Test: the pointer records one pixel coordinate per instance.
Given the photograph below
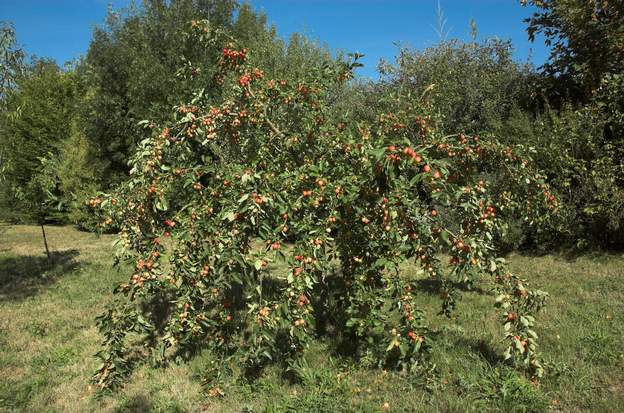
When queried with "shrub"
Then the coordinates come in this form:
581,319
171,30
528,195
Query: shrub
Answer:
477,86
213,198
580,152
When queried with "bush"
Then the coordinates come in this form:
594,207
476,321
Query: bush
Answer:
213,198
580,151
477,86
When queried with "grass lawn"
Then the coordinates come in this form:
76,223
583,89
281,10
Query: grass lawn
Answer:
48,338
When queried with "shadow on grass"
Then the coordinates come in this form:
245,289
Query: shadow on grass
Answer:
433,286
23,276
137,403
329,329
570,253
485,349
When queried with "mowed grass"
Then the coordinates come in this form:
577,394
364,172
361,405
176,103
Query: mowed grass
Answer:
48,338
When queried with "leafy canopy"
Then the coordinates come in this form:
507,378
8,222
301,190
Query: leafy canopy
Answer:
260,172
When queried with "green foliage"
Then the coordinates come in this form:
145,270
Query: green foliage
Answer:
38,116
286,60
268,161
586,40
141,64
580,140
476,86
11,67
11,60
37,199
581,153
131,68
79,177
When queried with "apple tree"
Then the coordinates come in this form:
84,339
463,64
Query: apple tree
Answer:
260,213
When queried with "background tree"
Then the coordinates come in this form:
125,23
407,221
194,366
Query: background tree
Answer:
11,59
131,68
37,199
38,117
586,40
476,86
78,175
581,132
11,68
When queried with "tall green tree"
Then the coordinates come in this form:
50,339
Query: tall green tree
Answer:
476,86
11,59
291,59
37,119
581,135
11,68
586,40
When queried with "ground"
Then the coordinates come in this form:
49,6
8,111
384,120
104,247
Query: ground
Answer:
48,338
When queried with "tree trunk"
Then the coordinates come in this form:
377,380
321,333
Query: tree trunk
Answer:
45,242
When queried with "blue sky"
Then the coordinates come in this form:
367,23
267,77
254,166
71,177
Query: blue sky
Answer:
61,29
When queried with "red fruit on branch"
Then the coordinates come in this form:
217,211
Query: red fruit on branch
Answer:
169,223
303,300
244,80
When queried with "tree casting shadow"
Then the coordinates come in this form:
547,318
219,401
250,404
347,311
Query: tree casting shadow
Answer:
24,276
